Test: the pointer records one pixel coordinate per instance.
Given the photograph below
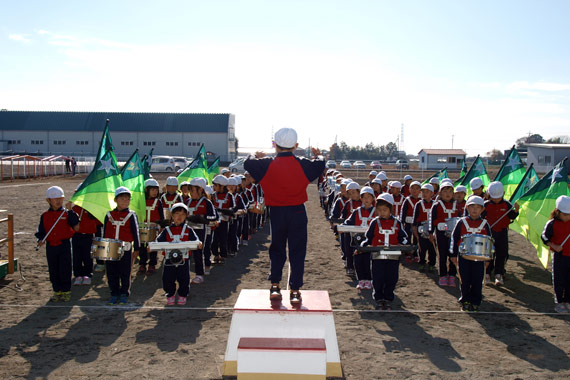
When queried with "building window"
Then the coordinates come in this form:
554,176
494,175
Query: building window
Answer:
172,143
149,143
423,159
451,160
14,142
544,160
194,143
441,159
126,143
37,142
58,142
82,142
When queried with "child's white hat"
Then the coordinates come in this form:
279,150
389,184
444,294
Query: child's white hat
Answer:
416,183
396,184
373,172
179,205
286,138
366,190
209,190
122,190
172,181
184,183
390,183
377,180
475,200
476,183
434,180
446,183
427,186
224,171
220,180
461,189
407,177
233,181
201,182
353,186
563,204
386,198
382,176
151,182
346,181
54,192
496,189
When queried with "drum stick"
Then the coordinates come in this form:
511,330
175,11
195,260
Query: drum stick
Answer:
502,216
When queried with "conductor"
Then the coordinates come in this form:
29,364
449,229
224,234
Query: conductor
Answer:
284,180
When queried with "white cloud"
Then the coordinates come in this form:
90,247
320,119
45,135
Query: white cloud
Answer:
538,86
19,37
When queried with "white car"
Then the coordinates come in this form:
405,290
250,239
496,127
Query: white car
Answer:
180,162
345,164
163,164
359,165
237,165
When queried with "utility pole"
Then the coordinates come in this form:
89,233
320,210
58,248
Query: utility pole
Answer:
452,137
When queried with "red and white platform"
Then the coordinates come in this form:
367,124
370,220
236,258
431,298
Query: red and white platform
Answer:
266,336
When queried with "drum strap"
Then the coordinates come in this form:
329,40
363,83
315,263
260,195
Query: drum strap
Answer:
192,209
387,233
150,208
363,220
472,230
220,202
176,238
167,202
448,211
422,203
119,224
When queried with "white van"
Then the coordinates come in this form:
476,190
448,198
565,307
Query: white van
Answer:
163,164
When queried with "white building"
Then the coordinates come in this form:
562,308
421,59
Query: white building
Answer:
79,133
441,158
545,156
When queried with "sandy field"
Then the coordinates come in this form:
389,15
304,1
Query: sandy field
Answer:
515,336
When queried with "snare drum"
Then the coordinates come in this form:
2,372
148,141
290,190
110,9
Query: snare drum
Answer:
450,225
477,247
148,232
386,255
107,249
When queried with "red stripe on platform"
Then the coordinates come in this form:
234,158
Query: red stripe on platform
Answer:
293,344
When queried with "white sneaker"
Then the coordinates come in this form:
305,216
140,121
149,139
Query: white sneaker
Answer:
361,284
368,284
198,279
488,279
86,280
78,280
206,271
244,243
499,280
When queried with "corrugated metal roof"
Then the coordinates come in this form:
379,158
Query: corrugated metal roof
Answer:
119,121
444,151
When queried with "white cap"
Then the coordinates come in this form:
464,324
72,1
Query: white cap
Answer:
151,182
122,190
241,177
563,204
434,180
286,138
496,189
461,189
233,181
346,181
172,181
407,177
209,190
414,183
427,186
476,183
54,192
475,200
396,184
373,172
201,182
446,183
382,176
224,170
366,190
179,205
353,186
184,183
390,183
377,180
386,198
220,180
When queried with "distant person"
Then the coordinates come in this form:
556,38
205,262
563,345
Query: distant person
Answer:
67,165
556,235
73,166
284,180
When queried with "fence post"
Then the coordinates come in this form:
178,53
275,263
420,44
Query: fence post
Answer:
10,243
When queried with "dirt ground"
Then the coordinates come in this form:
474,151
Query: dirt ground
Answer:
516,336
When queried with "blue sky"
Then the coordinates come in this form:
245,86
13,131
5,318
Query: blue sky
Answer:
486,72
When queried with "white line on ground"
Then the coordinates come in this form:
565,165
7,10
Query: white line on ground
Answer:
226,308
24,184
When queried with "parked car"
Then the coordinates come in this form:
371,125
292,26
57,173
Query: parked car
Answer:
180,162
402,164
345,164
331,164
163,164
237,165
359,165
375,165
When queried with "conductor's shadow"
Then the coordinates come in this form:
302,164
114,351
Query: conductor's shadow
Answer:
518,336
172,328
411,337
531,296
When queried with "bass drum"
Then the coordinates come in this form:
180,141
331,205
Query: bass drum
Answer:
107,249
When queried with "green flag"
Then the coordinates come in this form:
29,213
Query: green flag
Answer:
214,169
477,169
97,193
106,144
463,169
146,162
529,179
197,168
439,175
133,179
511,172
537,204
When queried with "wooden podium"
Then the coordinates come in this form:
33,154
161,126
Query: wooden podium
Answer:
278,341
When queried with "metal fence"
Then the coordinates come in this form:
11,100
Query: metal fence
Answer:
23,166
